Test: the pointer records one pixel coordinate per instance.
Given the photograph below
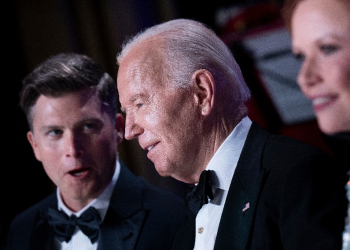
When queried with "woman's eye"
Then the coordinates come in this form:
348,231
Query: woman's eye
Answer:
328,49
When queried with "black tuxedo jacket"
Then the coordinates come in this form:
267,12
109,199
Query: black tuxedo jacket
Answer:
296,197
140,217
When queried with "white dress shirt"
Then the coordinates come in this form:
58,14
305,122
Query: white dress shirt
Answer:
79,240
223,163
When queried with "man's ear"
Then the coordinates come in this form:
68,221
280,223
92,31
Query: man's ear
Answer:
204,85
31,139
119,127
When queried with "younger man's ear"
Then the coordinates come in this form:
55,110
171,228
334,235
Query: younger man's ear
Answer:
119,126
31,139
204,85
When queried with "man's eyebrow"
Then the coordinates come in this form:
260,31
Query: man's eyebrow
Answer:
49,128
133,99
136,96
88,120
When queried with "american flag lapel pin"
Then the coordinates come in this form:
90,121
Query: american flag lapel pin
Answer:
246,207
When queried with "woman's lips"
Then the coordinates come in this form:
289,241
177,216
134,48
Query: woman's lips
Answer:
321,102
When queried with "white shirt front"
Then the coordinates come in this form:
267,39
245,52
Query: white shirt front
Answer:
223,163
79,240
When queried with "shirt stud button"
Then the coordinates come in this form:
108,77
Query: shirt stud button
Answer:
200,230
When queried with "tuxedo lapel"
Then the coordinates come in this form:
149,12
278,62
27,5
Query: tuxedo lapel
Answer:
185,237
119,233
125,216
238,216
42,235
241,202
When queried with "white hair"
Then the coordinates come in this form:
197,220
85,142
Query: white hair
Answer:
188,46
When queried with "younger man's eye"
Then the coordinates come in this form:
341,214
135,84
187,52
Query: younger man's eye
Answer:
55,132
89,126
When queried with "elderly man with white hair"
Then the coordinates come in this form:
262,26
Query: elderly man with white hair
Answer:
184,97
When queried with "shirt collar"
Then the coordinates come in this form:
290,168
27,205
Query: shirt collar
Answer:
225,159
101,203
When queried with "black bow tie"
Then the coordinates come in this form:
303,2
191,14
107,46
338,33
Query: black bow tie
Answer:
197,196
64,226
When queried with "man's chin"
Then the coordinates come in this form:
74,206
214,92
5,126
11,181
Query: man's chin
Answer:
162,171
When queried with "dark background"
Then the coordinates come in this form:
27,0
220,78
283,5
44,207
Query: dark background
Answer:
34,30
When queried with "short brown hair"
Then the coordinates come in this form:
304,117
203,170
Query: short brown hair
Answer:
63,74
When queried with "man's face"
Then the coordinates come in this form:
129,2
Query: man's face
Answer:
76,141
164,119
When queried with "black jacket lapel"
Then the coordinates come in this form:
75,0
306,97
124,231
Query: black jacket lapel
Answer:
42,235
118,233
239,210
185,237
124,219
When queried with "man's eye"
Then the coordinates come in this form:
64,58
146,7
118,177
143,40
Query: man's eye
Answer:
139,105
55,132
89,126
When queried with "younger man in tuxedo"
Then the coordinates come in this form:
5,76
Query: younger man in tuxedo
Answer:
71,106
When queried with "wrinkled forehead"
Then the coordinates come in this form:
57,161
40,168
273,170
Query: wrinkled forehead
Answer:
146,59
141,65
134,82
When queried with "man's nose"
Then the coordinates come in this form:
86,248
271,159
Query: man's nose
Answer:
132,128
74,145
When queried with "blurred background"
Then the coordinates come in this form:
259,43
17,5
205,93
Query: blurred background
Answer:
34,30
